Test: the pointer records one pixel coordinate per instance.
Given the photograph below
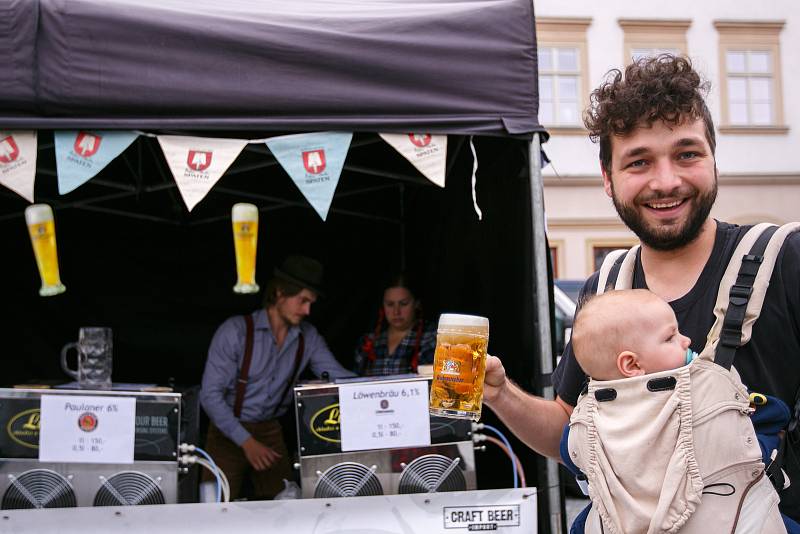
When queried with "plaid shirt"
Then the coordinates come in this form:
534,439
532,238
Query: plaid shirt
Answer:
400,361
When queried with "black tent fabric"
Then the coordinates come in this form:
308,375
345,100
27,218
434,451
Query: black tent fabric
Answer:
438,66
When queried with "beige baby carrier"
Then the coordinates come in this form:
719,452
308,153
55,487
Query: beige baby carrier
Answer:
675,450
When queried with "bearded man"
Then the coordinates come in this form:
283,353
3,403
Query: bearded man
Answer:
657,149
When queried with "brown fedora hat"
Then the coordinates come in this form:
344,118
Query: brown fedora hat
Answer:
302,271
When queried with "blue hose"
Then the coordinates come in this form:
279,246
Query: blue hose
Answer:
510,451
216,471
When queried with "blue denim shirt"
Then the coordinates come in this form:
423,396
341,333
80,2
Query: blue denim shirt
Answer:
270,370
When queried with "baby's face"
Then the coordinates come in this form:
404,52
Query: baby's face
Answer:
662,347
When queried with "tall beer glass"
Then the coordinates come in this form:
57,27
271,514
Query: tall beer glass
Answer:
42,230
245,237
459,365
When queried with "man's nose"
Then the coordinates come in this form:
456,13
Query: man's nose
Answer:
665,177
307,308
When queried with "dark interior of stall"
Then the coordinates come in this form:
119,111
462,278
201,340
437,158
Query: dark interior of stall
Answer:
134,259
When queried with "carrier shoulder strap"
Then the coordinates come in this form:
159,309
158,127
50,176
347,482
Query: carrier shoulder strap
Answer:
617,270
742,290
241,382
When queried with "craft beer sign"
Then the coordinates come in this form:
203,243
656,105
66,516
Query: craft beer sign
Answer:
314,162
378,416
76,428
18,162
80,155
428,153
197,163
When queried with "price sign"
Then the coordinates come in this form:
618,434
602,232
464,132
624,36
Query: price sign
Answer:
87,429
379,416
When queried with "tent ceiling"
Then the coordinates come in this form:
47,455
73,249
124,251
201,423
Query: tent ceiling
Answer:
439,66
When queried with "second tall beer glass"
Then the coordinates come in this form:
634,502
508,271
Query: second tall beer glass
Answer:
459,364
42,229
245,239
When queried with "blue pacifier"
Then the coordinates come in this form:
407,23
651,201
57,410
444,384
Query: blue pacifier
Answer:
690,355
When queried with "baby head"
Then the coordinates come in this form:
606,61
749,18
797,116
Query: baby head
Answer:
626,333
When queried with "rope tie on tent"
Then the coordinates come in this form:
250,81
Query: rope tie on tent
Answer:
474,172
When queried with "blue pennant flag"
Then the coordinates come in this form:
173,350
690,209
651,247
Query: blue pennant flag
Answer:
314,161
82,154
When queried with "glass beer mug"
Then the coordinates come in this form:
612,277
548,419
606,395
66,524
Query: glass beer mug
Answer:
94,348
459,365
245,238
42,229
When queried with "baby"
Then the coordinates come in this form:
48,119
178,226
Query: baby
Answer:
654,436
621,334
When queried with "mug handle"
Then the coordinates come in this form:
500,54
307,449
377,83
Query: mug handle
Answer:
71,372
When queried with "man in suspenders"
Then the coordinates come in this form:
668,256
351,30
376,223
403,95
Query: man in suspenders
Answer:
252,363
657,158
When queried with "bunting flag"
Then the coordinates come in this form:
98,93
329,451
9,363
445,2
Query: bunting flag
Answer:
18,161
428,153
80,155
197,163
314,161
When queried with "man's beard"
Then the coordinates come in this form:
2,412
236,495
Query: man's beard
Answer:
668,238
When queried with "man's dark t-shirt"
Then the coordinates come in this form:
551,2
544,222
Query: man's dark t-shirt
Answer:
769,363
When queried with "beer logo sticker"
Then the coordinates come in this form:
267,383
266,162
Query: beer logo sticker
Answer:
87,422
426,152
196,170
420,140
18,161
451,367
23,428
9,151
86,144
199,160
324,424
81,154
314,162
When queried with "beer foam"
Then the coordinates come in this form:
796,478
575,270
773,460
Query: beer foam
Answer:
455,319
244,212
38,213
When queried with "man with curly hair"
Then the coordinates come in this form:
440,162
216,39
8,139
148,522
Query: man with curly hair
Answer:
657,159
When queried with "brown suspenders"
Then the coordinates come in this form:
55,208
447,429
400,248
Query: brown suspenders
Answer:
241,383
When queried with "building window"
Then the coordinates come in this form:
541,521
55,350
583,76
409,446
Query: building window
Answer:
598,249
651,37
750,73
562,72
554,261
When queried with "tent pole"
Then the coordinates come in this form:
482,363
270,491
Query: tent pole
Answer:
542,306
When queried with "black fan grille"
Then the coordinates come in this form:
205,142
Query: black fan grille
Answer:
348,479
128,488
432,473
38,488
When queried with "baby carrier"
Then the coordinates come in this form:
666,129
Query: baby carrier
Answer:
676,450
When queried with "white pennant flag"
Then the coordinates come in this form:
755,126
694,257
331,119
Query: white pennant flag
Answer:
428,153
314,161
197,163
18,161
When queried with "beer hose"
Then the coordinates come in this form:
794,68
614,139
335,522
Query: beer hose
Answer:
514,459
223,486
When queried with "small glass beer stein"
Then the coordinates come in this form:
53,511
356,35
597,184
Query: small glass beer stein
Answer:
94,348
459,365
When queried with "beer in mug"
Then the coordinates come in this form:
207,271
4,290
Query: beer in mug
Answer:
245,237
42,229
459,364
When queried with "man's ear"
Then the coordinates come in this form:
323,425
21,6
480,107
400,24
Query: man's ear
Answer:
606,180
628,364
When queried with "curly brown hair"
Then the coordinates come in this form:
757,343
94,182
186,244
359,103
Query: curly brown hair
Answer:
661,88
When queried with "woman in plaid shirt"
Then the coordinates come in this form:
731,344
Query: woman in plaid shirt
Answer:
401,340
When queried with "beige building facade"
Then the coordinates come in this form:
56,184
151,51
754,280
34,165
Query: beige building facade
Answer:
748,53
